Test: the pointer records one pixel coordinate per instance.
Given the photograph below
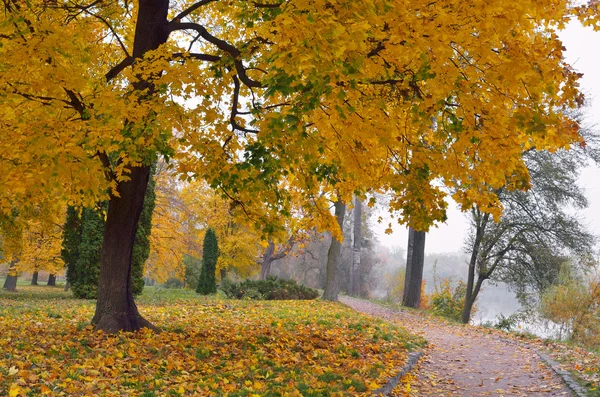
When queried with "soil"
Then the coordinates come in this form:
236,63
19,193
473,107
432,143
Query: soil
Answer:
468,361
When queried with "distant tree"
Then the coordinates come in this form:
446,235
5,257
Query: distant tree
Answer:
355,270
207,283
333,256
536,232
71,241
414,268
10,283
271,255
193,267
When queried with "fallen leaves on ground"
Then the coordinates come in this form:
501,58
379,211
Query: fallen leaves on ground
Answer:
207,347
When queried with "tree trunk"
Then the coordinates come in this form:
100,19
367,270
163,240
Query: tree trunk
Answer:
265,265
357,235
52,280
481,224
223,274
34,278
115,308
414,268
10,283
333,257
67,285
466,314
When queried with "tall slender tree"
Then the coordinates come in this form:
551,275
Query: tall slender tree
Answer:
207,282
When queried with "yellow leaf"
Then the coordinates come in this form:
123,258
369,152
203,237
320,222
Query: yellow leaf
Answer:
14,390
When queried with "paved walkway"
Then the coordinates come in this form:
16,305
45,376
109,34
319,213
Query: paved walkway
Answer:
464,361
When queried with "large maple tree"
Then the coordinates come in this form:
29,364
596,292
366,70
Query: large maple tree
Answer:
277,105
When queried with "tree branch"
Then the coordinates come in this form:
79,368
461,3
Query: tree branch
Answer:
234,108
118,68
220,44
190,9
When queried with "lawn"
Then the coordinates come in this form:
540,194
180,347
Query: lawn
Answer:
208,347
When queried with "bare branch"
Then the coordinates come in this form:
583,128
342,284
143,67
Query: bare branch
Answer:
234,108
118,68
191,9
220,44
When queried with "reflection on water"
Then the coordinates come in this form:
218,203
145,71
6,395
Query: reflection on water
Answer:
496,301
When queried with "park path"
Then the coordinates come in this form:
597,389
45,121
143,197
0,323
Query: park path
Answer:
467,361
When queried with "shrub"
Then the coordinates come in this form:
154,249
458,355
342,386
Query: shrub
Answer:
575,306
448,298
270,289
173,283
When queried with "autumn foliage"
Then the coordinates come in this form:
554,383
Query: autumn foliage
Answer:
207,348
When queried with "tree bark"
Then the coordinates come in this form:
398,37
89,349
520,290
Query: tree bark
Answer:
51,280
34,278
481,224
414,268
10,283
333,257
265,265
115,307
223,274
468,308
355,272
67,285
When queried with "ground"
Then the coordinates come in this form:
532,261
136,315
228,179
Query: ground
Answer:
208,347
467,361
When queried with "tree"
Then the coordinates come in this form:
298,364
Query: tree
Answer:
333,255
537,231
271,255
207,283
82,245
356,246
414,268
286,110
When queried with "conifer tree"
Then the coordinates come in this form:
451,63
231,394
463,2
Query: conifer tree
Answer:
207,283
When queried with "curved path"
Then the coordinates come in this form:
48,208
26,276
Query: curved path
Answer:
467,361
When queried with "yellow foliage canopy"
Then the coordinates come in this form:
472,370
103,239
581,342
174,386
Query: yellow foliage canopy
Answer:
278,105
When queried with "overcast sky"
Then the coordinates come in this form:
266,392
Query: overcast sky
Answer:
581,44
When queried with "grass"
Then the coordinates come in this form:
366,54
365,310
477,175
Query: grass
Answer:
209,346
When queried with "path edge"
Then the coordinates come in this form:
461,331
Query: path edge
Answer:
386,389
576,388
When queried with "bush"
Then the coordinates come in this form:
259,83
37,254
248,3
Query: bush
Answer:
173,283
448,298
270,289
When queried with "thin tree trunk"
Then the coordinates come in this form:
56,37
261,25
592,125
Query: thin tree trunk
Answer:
34,278
333,257
357,235
115,307
414,268
481,223
67,285
469,304
223,274
10,283
51,280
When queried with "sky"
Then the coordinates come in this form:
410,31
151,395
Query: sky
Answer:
582,54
